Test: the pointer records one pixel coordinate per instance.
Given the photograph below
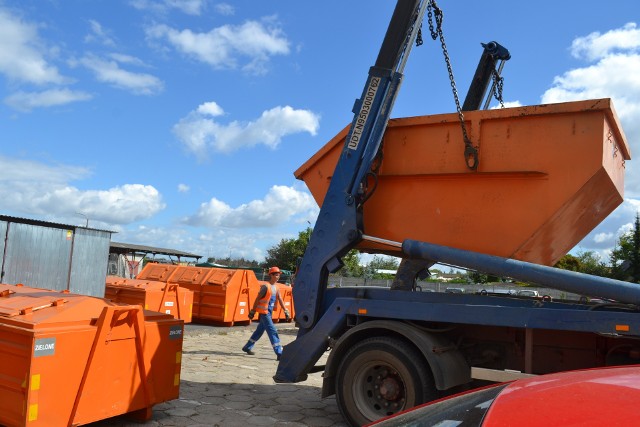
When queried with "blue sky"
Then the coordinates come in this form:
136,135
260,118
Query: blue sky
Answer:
179,124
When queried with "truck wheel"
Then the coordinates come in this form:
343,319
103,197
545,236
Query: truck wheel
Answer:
381,376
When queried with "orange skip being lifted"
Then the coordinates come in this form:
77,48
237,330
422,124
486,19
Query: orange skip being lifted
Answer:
547,175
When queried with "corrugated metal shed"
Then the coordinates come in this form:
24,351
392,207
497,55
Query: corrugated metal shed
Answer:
53,256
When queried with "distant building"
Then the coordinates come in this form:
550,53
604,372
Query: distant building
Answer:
383,271
445,277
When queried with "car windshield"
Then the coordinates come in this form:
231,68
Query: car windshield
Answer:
465,410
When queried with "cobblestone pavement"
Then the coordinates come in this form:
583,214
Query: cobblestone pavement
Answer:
222,386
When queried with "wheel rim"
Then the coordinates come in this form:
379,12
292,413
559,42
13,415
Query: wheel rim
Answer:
378,390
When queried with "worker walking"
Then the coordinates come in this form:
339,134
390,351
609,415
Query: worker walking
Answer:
264,305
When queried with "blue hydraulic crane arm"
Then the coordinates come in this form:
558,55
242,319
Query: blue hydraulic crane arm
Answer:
570,281
339,225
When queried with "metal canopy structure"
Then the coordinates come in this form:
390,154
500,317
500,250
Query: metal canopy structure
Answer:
131,249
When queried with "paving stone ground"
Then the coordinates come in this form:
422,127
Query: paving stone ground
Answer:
222,386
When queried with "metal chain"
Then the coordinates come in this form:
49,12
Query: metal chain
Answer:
498,83
470,152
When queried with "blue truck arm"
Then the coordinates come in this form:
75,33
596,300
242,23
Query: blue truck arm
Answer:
339,225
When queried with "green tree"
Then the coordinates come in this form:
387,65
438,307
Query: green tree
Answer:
588,262
592,263
286,253
476,277
371,271
568,262
625,257
352,267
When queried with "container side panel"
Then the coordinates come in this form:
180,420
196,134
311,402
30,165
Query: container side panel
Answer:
15,355
89,262
38,256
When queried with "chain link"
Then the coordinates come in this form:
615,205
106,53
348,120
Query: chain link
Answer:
498,83
433,11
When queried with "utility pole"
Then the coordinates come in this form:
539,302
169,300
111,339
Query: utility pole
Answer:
86,225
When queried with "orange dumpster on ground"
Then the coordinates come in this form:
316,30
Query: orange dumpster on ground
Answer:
287,297
222,296
151,295
547,175
156,271
71,359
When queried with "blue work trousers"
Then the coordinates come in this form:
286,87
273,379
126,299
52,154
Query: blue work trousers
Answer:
265,324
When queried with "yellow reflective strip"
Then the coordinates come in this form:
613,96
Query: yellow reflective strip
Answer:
622,328
35,382
176,380
33,412
178,357
362,311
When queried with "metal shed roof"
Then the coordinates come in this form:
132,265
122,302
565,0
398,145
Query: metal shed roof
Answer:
41,223
127,248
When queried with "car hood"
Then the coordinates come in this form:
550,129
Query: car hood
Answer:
594,397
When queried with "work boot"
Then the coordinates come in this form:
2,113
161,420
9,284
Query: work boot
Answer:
249,352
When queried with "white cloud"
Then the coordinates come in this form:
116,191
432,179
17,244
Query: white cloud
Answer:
31,172
199,132
224,47
109,71
38,189
22,57
27,101
127,59
225,9
210,108
510,104
189,7
183,188
596,45
218,243
280,205
602,237
612,71
98,35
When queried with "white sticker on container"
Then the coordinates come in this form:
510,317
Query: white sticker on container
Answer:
242,303
44,347
168,304
175,332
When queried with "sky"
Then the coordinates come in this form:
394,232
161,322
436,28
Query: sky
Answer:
179,123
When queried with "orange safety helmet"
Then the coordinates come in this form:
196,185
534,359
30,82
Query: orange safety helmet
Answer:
274,270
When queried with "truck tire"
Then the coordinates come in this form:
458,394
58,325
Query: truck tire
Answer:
381,376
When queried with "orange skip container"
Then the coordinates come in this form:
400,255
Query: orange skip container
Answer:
222,296
152,295
71,359
287,297
547,176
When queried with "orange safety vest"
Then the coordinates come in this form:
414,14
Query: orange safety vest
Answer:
263,303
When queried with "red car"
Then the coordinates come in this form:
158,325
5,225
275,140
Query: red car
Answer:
595,397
